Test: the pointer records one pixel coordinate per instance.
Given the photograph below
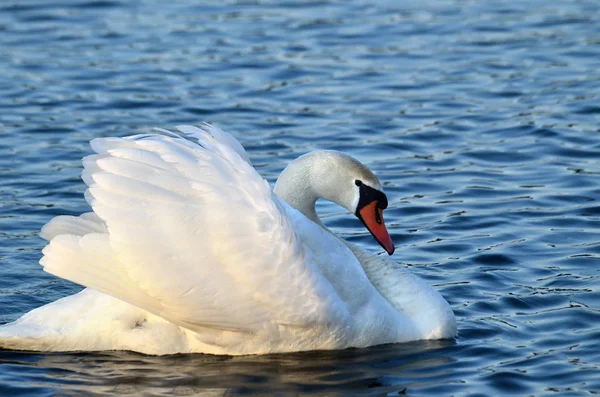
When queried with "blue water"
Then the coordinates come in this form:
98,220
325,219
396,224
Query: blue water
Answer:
482,118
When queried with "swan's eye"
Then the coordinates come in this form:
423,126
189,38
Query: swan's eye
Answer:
358,183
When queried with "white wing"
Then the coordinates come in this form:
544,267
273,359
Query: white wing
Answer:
195,236
218,134
76,225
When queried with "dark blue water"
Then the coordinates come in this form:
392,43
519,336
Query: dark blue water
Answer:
481,117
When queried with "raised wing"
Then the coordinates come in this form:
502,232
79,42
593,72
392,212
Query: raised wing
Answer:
216,133
195,235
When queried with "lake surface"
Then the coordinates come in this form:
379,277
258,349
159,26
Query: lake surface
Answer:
482,118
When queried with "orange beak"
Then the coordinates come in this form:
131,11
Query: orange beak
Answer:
372,217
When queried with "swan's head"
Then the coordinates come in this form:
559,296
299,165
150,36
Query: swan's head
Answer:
340,178
369,209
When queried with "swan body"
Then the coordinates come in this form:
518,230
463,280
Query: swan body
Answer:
189,250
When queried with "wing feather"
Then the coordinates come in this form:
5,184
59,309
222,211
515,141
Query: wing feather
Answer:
218,135
195,229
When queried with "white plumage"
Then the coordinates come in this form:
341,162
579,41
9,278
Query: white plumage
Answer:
188,249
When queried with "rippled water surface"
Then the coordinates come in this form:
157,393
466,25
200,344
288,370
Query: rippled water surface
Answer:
481,117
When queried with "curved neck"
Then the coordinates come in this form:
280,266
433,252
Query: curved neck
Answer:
320,174
294,187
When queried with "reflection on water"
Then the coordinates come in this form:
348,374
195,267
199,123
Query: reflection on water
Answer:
377,370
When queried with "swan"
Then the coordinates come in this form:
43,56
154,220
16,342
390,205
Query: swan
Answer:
189,250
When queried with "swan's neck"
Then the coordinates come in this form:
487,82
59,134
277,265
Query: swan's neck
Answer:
294,187
320,174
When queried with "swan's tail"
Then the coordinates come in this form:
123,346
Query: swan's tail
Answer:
92,321
10,340
53,326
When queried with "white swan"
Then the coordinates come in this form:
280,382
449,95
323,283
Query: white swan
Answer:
189,250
